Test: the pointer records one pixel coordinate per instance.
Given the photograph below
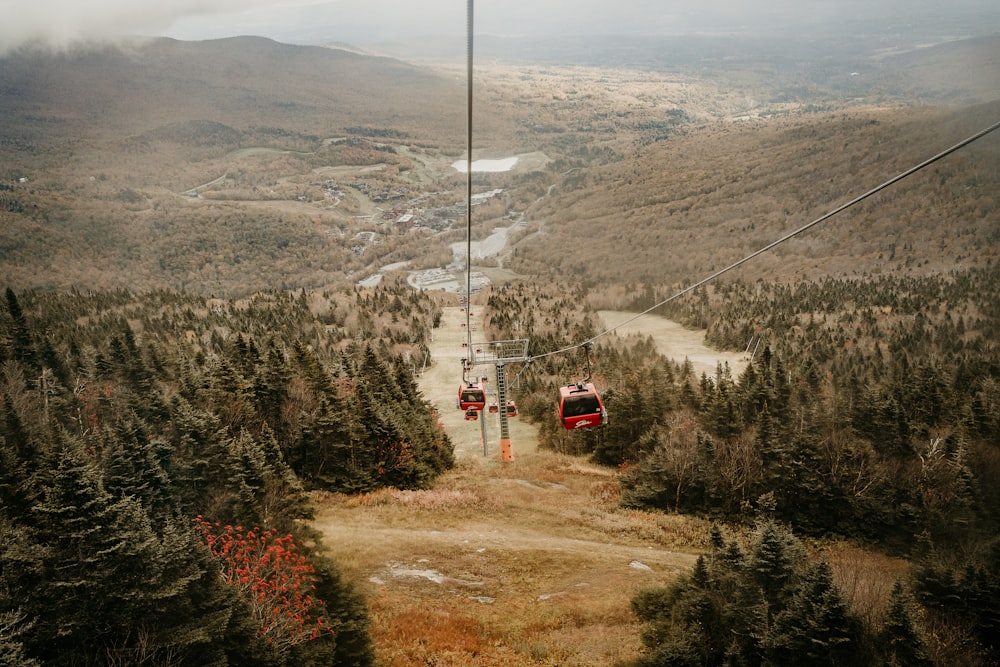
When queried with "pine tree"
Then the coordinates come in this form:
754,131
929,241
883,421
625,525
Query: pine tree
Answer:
270,391
132,467
331,446
104,587
22,347
722,416
94,561
197,464
814,628
229,396
901,640
19,465
347,615
12,626
669,635
775,564
617,442
768,607
284,500
773,453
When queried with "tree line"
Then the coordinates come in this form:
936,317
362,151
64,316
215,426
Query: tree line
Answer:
157,450
769,604
869,412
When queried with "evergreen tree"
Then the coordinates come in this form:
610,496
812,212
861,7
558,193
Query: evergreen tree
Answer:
51,361
775,564
965,592
198,460
22,347
284,499
18,460
768,607
814,628
347,613
722,415
229,396
132,467
12,653
17,558
619,441
331,447
270,392
94,564
901,640
672,633
773,453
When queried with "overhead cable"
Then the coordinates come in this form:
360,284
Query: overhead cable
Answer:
770,246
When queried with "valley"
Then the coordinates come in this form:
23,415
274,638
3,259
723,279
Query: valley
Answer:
241,264
640,161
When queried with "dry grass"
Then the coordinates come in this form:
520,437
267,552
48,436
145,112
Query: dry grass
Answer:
430,500
583,625
443,636
866,578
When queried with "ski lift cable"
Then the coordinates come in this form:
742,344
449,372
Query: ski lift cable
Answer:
786,237
468,176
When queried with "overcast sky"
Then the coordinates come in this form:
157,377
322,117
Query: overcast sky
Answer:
361,22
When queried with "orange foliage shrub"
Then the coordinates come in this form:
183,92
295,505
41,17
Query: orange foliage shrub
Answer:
273,576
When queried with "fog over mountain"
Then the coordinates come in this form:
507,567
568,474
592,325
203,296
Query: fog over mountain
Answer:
381,20
434,23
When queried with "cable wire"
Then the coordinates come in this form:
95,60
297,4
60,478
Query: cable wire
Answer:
468,177
773,244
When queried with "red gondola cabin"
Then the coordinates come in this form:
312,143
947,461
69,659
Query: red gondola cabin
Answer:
580,406
471,396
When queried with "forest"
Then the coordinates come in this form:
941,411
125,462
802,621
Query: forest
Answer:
159,450
869,412
134,474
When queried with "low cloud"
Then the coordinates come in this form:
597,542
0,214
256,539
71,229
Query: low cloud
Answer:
62,24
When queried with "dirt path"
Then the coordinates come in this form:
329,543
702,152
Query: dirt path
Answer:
523,563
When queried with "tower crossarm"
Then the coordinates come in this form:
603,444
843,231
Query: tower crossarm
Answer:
499,352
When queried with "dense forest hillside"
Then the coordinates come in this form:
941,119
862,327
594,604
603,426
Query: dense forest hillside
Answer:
150,441
125,91
224,167
869,411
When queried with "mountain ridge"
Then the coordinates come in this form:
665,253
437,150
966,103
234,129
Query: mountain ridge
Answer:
231,165
252,80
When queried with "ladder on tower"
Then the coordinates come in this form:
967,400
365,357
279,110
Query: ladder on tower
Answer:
498,353
506,451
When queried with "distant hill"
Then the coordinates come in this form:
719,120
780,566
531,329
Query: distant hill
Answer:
694,203
957,72
102,150
854,60
240,82
228,166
